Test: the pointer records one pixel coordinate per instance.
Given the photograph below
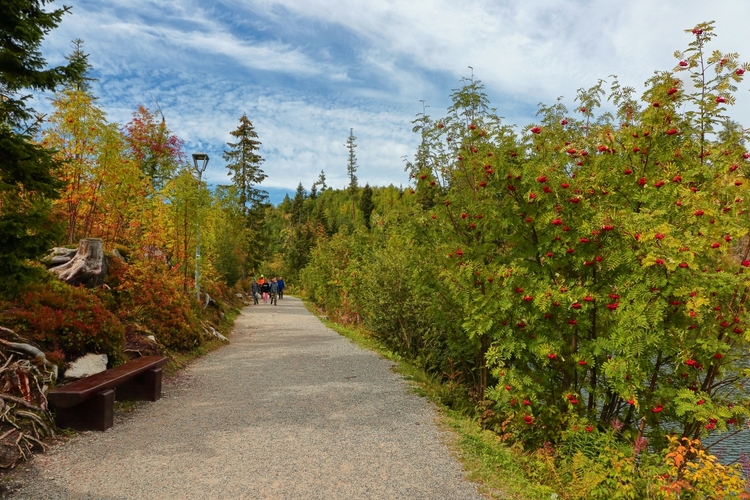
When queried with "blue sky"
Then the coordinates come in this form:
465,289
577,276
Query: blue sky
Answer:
306,71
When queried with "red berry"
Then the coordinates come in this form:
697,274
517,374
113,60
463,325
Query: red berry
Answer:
671,131
565,122
536,130
683,63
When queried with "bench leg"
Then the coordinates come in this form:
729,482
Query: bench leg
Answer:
92,415
145,387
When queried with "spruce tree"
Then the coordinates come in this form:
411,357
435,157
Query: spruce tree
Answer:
351,168
28,182
322,181
243,162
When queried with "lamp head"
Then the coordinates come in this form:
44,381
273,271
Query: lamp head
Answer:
200,160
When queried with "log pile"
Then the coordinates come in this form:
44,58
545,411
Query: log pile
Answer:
25,378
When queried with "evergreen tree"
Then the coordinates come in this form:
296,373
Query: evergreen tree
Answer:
367,205
27,170
351,168
244,162
322,181
314,191
79,58
298,205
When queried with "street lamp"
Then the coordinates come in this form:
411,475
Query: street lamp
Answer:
200,161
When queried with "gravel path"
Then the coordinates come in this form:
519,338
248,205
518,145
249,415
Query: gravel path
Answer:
289,409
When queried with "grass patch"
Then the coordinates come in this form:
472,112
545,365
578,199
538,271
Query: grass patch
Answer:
495,466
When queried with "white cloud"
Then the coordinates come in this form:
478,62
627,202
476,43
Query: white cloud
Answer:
305,71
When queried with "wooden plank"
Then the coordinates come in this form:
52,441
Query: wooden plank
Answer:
74,393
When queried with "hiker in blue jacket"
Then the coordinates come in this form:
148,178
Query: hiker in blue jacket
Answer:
274,291
280,282
255,291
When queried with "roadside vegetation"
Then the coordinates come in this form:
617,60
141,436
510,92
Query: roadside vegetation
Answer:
579,285
573,293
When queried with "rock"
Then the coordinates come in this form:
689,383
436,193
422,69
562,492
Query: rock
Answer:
87,267
212,331
117,254
89,364
151,338
239,295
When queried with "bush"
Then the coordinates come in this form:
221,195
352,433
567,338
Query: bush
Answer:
153,297
65,321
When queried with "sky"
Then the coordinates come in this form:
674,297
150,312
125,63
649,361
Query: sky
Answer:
306,72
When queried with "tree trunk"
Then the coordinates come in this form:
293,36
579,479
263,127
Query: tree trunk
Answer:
88,267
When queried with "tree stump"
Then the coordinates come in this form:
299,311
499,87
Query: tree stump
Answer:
88,267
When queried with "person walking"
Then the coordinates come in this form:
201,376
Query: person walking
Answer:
274,291
265,289
280,281
255,290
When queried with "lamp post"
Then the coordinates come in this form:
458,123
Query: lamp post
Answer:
200,161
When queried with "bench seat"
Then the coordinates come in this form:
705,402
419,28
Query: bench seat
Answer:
88,403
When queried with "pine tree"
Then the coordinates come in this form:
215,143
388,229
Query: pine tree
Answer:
243,162
351,168
27,171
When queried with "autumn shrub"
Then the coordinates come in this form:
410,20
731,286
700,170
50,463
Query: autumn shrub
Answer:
330,279
65,321
590,271
153,297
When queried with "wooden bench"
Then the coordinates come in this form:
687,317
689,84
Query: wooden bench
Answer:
88,403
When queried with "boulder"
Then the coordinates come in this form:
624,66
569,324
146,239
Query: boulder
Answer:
87,365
